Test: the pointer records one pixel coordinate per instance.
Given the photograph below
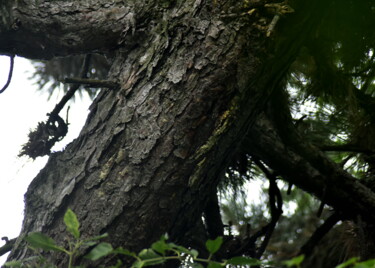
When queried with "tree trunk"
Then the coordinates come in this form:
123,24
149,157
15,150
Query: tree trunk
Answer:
192,82
148,155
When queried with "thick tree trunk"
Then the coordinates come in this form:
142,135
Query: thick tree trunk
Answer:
192,82
148,155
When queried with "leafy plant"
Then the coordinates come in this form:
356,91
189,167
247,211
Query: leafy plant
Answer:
160,252
38,241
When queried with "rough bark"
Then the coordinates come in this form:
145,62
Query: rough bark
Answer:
192,84
148,153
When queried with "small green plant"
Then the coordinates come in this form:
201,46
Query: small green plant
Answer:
355,263
38,241
295,262
160,252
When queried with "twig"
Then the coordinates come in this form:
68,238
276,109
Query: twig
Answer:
11,56
69,94
276,204
91,82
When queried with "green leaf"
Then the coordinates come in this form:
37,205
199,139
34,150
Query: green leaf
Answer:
90,243
39,240
365,264
348,262
214,245
150,257
179,248
23,262
161,247
72,223
119,264
98,237
196,265
146,254
214,265
13,264
194,253
182,249
295,261
138,264
243,261
126,252
101,250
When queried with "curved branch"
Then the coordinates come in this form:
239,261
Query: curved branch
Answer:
276,203
10,73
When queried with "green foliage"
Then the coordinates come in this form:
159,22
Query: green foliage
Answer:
355,263
348,263
295,261
71,223
160,252
39,240
214,245
243,261
101,250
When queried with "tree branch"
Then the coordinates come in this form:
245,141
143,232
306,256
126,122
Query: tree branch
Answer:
345,148
212,216
8,245
276,203
309,169
78,27
91,82
10,73
319,233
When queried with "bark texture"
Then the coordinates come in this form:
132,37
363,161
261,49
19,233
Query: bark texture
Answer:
148,154
193,84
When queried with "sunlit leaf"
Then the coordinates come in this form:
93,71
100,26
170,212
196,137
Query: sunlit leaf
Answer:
365,264
295,261
101,250
39,240
72,223
348,262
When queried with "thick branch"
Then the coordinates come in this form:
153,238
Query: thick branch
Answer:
345,148
309,169
44,29
8,246
319,233
214,224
